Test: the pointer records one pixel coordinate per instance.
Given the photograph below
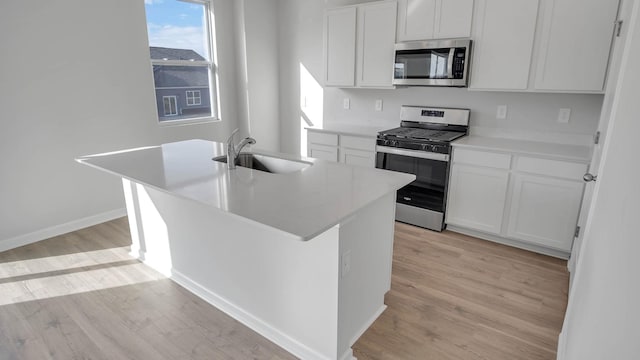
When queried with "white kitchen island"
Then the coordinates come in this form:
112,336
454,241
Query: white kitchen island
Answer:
303,258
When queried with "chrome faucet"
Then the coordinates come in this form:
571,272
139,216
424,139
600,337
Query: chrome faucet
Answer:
234,150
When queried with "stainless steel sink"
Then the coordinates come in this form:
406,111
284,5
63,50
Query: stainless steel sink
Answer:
266,163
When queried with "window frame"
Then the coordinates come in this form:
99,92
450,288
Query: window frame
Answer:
211,64
193,97
175,103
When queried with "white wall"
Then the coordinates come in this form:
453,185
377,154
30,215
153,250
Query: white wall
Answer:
259,78
533,114
301,32
603,317
76,80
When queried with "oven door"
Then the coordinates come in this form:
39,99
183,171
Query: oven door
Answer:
427,192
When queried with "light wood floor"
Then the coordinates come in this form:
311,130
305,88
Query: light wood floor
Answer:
81,296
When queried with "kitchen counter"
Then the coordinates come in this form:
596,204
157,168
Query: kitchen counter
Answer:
231,237
575,153
303,203
346,129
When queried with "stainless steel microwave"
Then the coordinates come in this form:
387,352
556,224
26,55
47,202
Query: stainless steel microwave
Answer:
432,63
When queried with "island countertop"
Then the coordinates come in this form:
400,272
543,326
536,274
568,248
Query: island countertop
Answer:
303,203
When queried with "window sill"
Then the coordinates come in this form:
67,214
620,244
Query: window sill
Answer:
183,122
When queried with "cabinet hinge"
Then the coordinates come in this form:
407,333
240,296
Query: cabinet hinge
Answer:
577,233
618,27
596,138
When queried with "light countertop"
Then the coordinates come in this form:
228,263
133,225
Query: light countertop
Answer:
349,129
576,153
304,203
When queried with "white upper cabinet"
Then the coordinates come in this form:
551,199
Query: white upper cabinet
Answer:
503,35
575,43
434,19
376,44
453,19
359,45
542,45
340,46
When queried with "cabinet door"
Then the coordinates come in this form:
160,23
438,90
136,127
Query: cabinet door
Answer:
377,37
357,157
340,47
323,152
503,35
576,40
477,197
416,19
453,19
544,210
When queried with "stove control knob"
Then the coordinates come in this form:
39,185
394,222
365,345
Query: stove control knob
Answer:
425,147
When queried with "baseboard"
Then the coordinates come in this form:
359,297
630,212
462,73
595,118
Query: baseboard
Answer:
368,324
561,346
283,340
56,230
510,242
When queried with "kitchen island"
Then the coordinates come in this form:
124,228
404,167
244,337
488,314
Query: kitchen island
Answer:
302,256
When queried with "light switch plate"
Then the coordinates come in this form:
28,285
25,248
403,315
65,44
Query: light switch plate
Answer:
346,103
564,115
379,105
501,113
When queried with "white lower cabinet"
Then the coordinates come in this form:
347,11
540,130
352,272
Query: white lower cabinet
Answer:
357,157
522,200
544,210
347,149
324,152
477,197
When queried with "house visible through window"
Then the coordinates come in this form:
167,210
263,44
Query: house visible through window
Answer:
181,50
193,97
170,105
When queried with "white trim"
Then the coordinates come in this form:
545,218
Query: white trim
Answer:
188,121
175,102
43,234
193,97
510,242
182,87
366,326
291,345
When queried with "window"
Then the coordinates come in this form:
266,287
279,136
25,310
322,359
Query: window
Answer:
193,97
181,50
170,105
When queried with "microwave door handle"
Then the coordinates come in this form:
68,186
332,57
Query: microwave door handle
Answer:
452,53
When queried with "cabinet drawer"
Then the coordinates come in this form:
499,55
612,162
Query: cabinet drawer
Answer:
357,142
556,168
322,138
482,158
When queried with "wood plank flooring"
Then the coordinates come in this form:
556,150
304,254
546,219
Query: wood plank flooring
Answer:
81,296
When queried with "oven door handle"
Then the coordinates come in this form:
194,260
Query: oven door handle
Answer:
411,153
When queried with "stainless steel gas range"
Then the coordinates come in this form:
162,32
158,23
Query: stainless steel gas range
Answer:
421,146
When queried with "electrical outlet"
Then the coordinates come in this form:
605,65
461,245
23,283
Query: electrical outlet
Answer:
564,115
379,105
501,113
345,263
346,103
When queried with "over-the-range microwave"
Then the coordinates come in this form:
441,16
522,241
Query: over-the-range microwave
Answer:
432,63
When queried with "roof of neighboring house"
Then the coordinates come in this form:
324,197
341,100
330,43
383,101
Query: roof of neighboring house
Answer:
178,76
161,53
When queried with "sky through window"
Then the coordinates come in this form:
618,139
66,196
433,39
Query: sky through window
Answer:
176,24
